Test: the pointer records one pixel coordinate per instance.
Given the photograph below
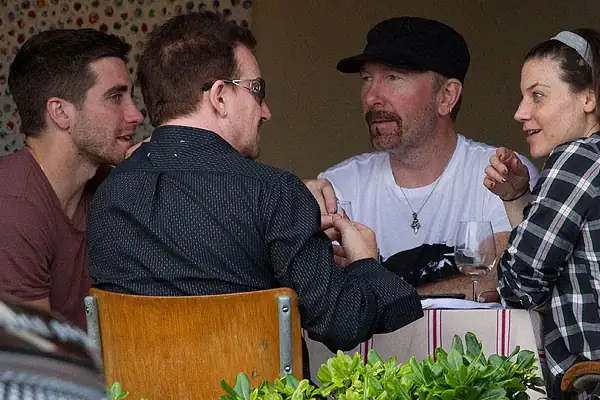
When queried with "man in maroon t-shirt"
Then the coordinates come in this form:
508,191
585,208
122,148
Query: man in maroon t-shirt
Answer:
73,92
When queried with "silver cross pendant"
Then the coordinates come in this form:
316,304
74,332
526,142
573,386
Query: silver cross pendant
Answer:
415,223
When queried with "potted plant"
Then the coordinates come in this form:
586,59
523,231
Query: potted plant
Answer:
461,373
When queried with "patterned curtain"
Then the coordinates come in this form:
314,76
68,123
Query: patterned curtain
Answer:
129,19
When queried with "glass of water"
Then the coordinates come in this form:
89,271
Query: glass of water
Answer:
475,250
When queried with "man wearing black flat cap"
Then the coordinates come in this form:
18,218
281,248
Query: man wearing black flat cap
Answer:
423,177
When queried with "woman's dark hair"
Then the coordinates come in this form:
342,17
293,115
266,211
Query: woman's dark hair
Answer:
576,71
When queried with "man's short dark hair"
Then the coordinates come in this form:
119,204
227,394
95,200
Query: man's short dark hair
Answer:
181,56
56,63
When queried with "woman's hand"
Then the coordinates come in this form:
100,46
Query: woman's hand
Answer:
506,176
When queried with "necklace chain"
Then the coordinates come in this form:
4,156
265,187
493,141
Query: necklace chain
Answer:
415,225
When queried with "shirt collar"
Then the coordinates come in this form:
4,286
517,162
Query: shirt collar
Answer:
190,140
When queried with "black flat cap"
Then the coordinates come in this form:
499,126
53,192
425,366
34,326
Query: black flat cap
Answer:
413,43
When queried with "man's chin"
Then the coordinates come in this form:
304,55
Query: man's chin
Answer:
383,143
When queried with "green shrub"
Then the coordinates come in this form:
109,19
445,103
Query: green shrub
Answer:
461,373
116,392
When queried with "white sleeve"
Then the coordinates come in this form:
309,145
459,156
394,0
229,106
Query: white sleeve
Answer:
345,182
533,172
496,213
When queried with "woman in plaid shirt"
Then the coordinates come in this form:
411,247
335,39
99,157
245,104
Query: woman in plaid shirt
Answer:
553,260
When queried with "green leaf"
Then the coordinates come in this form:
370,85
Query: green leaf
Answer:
417,370
232,394
428,375
242,386
473,345
291,381
373,357
525,359
324,375
496,360
458,345
514,383
455,358
448,394
521,396
442,358
115,391
493,394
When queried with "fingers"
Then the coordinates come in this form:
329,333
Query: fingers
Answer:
364,230
359,241
323,192
341,262
326,222
492,174
504,154
339,256
518,168
313,186
510,159
333,234
342,224
329,196
489,184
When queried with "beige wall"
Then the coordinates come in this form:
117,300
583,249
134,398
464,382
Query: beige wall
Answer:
317,120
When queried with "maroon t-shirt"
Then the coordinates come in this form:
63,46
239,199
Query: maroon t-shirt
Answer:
43,253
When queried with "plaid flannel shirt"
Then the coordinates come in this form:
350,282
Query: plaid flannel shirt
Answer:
553,258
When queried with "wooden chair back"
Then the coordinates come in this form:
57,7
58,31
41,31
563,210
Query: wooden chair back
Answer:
182,347
582,377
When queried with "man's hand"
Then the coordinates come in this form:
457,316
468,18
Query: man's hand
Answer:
359,242
323,192
329,229
339,256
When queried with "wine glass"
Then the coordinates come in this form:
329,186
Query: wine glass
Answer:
475,250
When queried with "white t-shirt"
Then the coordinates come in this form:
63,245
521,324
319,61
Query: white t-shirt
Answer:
367,182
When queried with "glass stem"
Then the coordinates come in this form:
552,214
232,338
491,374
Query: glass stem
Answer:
475,289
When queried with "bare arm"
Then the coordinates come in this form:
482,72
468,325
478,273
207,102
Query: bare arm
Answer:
43,304
514,209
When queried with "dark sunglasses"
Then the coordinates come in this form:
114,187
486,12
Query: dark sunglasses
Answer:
255,86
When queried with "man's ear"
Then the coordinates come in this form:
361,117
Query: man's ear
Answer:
448,96
589,105
217,97
61,112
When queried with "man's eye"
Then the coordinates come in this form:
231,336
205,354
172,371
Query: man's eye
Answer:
116,97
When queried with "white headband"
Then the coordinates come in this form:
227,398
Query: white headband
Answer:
577,43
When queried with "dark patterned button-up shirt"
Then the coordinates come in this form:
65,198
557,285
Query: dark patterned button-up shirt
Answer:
553,258
188,215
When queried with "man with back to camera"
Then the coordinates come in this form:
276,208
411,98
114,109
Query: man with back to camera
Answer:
192,213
